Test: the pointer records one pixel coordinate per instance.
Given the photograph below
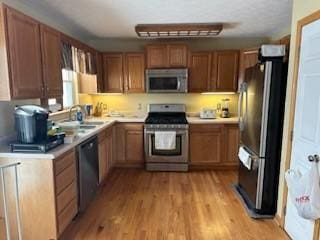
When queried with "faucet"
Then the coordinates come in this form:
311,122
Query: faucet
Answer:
73,107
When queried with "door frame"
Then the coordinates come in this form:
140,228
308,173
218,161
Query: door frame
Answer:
301,23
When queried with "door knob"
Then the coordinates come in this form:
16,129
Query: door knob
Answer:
314,158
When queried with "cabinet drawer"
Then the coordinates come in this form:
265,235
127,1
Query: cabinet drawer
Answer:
66,196
66,216
64,162
66,177
205,127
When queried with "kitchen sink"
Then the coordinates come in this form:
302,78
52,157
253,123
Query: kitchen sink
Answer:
87,126
93,123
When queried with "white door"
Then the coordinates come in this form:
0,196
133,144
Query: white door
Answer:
306,139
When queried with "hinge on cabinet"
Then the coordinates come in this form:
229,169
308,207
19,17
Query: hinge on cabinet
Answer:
284,210
291,135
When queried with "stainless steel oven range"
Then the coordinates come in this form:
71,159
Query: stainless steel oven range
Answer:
166,118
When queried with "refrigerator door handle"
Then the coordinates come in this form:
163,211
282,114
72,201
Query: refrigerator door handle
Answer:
243,89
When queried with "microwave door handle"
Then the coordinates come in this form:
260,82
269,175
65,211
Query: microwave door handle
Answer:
179,84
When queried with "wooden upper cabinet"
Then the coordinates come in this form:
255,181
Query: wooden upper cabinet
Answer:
99,72
248,58
177,55
199,71
24,54
157,56
224,74
51,61
167,55
113,72
134,68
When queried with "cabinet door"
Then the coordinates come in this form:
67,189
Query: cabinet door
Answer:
157,56
102,156
51,61
134,72
205,144
231,135
248,58
113,72
24,55
177,55
199,71
134,144
129,144
99,63
109,149
226,67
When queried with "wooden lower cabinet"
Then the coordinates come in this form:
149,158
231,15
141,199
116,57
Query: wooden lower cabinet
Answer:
213,145
66,187
48,195
105,153
129,144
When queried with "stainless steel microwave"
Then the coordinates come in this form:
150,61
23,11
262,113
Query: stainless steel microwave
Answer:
167,80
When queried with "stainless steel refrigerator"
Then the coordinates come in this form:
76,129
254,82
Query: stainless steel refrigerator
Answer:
261,111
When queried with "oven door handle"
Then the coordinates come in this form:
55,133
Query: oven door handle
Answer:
179,132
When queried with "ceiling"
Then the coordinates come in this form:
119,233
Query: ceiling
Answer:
117,18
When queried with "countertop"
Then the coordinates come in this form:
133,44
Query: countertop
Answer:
108,121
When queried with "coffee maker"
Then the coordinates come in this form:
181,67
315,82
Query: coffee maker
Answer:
31,125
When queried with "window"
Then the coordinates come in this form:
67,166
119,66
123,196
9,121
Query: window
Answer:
68,88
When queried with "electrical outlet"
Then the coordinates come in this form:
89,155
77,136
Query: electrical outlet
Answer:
139,106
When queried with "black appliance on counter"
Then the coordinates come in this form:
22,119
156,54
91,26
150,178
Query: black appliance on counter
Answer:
261,113
31,125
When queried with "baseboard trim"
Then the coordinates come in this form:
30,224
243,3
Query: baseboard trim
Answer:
212,167
277,220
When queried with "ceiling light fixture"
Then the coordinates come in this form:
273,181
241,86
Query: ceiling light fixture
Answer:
185,30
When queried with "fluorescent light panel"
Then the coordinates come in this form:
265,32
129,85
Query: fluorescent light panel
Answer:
178,30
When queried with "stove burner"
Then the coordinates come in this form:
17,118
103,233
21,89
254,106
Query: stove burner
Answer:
166,118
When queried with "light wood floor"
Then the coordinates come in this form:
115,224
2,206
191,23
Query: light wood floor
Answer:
200,205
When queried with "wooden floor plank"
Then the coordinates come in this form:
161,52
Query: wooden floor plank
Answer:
134,204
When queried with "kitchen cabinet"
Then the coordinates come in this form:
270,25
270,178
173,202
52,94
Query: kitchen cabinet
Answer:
213,145
157,56
178,55
113,72
213,71
199,71
167,55
51,61
105,153
48,195
66,190
224,71
99,63
248,58
20,54
134,69
231,143
103,150
205,143
129,144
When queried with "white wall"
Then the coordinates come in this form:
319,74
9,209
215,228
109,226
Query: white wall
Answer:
113,44
301,9
6,115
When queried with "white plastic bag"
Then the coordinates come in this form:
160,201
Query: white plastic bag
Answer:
304,191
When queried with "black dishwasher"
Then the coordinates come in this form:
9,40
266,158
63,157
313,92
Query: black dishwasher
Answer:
88,164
